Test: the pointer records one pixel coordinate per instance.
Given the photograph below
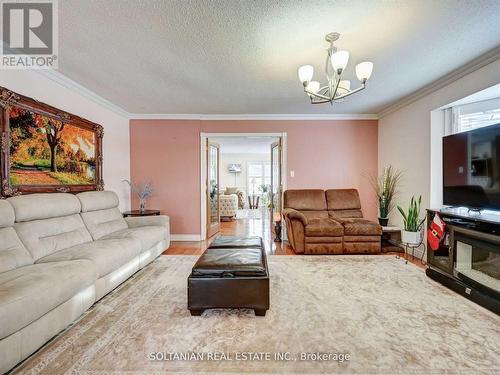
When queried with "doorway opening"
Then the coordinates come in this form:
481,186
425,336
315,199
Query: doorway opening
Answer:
242,179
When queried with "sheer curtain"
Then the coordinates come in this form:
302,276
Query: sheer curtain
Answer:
258,174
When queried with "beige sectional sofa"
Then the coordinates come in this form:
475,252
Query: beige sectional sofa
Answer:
59,254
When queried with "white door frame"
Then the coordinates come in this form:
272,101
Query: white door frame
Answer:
203,169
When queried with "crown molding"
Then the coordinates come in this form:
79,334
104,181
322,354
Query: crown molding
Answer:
68,83
447,79
276,117
64,81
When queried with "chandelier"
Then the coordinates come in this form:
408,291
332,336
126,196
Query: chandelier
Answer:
336,88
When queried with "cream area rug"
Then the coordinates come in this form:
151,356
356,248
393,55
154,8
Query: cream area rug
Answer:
364,314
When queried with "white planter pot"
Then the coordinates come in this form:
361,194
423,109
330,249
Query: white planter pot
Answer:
411,238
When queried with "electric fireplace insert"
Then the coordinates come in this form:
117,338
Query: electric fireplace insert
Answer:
478,263
468,258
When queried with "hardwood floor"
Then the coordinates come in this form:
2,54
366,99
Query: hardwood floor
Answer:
256,224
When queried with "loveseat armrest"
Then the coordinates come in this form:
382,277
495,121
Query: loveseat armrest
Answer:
144,221
292,214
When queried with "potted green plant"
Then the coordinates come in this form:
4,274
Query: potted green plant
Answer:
385,186
412,233
265,189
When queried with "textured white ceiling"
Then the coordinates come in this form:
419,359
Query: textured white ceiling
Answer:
241,56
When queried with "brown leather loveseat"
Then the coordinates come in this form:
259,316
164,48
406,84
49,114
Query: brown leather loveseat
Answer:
329,222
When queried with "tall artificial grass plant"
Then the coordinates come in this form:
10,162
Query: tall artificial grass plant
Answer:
385,186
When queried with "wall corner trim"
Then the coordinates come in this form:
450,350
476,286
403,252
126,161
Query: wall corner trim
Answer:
470,67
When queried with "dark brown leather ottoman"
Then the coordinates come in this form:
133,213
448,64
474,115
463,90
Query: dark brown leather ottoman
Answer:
231,242
230,278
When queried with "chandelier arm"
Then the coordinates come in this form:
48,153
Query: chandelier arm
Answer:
317,95
320,101
336,87
362,87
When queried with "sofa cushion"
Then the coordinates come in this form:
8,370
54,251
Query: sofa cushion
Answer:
97,200
100,213
315,214
106,255
343,199
12,252
29,292
44,206
337,214
323,227
148,236
231,190
103,222
46,236
361,227
7,216
343,203
305,199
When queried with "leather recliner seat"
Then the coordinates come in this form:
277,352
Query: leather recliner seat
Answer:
329,222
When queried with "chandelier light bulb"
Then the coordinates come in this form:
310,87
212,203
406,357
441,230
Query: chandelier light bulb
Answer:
306,73
364,70
313,86
339,60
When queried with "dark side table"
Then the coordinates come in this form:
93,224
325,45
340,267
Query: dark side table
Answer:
253,202
391,239
141,213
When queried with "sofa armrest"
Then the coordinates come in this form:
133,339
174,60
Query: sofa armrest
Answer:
292,214
144,221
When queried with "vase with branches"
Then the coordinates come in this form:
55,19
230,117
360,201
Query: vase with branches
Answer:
385,186
144,191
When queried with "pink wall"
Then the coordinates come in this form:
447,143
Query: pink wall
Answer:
323,154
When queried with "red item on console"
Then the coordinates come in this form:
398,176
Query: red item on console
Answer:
435,233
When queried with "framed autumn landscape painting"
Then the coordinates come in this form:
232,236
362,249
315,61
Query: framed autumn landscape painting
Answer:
47,150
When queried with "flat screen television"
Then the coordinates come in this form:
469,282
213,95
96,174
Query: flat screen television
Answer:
471,169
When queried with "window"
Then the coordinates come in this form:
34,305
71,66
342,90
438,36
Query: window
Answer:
476,115
258,174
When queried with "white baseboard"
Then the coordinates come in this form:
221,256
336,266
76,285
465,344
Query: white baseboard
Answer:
185,237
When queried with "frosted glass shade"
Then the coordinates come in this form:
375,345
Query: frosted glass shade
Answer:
313,86
339,60
306,73
364,70
345,84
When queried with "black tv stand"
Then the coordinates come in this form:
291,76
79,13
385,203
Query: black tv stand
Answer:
469,240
